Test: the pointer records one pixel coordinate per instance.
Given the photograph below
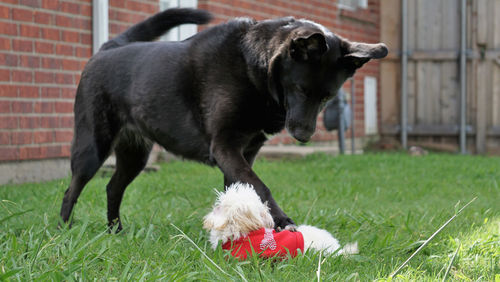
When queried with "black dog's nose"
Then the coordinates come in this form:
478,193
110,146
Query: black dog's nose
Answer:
301,133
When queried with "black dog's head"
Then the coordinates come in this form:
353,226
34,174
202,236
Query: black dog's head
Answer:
309,67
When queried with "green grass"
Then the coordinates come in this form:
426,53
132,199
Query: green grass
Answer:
389,203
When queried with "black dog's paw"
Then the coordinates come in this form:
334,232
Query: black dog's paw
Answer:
284,223
115,226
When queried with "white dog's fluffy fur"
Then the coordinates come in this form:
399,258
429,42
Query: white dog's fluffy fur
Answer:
239,210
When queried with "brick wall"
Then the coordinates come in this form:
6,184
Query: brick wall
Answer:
44,45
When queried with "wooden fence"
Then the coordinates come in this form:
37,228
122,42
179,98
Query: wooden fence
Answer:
433,78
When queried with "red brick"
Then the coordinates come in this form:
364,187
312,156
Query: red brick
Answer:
50,92
8,28
63,49
118,3
44,77
22,107
64,136
21,137
50,4
86,10
64,21
27,91
121,16
67,122
4,75
29,122
22,15
63,78
45,48
44,107
43,137
65,150
77,78
29,31
53,152
51,63
4,106
84,24
68,64
5,138
22,76
68,92
7,59
9,154
42,17
49,122
29,61
7,90
50,33
8,122
70,36
85,38
68,7
64,107
83,52
32,153
30,3
22,45
5,43
4,12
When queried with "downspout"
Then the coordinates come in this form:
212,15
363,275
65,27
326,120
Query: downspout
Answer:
99,24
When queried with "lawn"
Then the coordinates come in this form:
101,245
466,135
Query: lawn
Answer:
388,203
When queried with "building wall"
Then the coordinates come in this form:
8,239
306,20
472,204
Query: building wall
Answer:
44,45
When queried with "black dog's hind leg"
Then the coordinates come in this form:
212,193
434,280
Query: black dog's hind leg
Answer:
132,154
87,156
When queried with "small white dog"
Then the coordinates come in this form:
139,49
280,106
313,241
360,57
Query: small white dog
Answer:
244,224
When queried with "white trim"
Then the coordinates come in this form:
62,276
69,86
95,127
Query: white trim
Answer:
100,23
370,95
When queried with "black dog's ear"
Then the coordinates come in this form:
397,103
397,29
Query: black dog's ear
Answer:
273,76
355,54
311,47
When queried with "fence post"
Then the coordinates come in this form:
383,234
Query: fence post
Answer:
404,76
463,77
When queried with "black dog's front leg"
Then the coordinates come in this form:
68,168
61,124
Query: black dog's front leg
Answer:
236,168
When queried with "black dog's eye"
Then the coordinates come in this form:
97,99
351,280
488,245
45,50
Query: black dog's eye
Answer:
300,90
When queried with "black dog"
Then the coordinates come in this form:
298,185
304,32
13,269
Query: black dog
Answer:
211,98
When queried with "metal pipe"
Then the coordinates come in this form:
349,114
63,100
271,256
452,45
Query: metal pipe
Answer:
353,99
341,127
463,78
99,23
404,76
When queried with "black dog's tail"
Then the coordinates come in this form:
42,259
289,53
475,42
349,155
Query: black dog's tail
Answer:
155,26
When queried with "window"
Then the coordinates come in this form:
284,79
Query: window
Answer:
353,4
181,32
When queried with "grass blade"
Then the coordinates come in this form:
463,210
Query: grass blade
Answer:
199,249
13,215
318,272
430,238
451,263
